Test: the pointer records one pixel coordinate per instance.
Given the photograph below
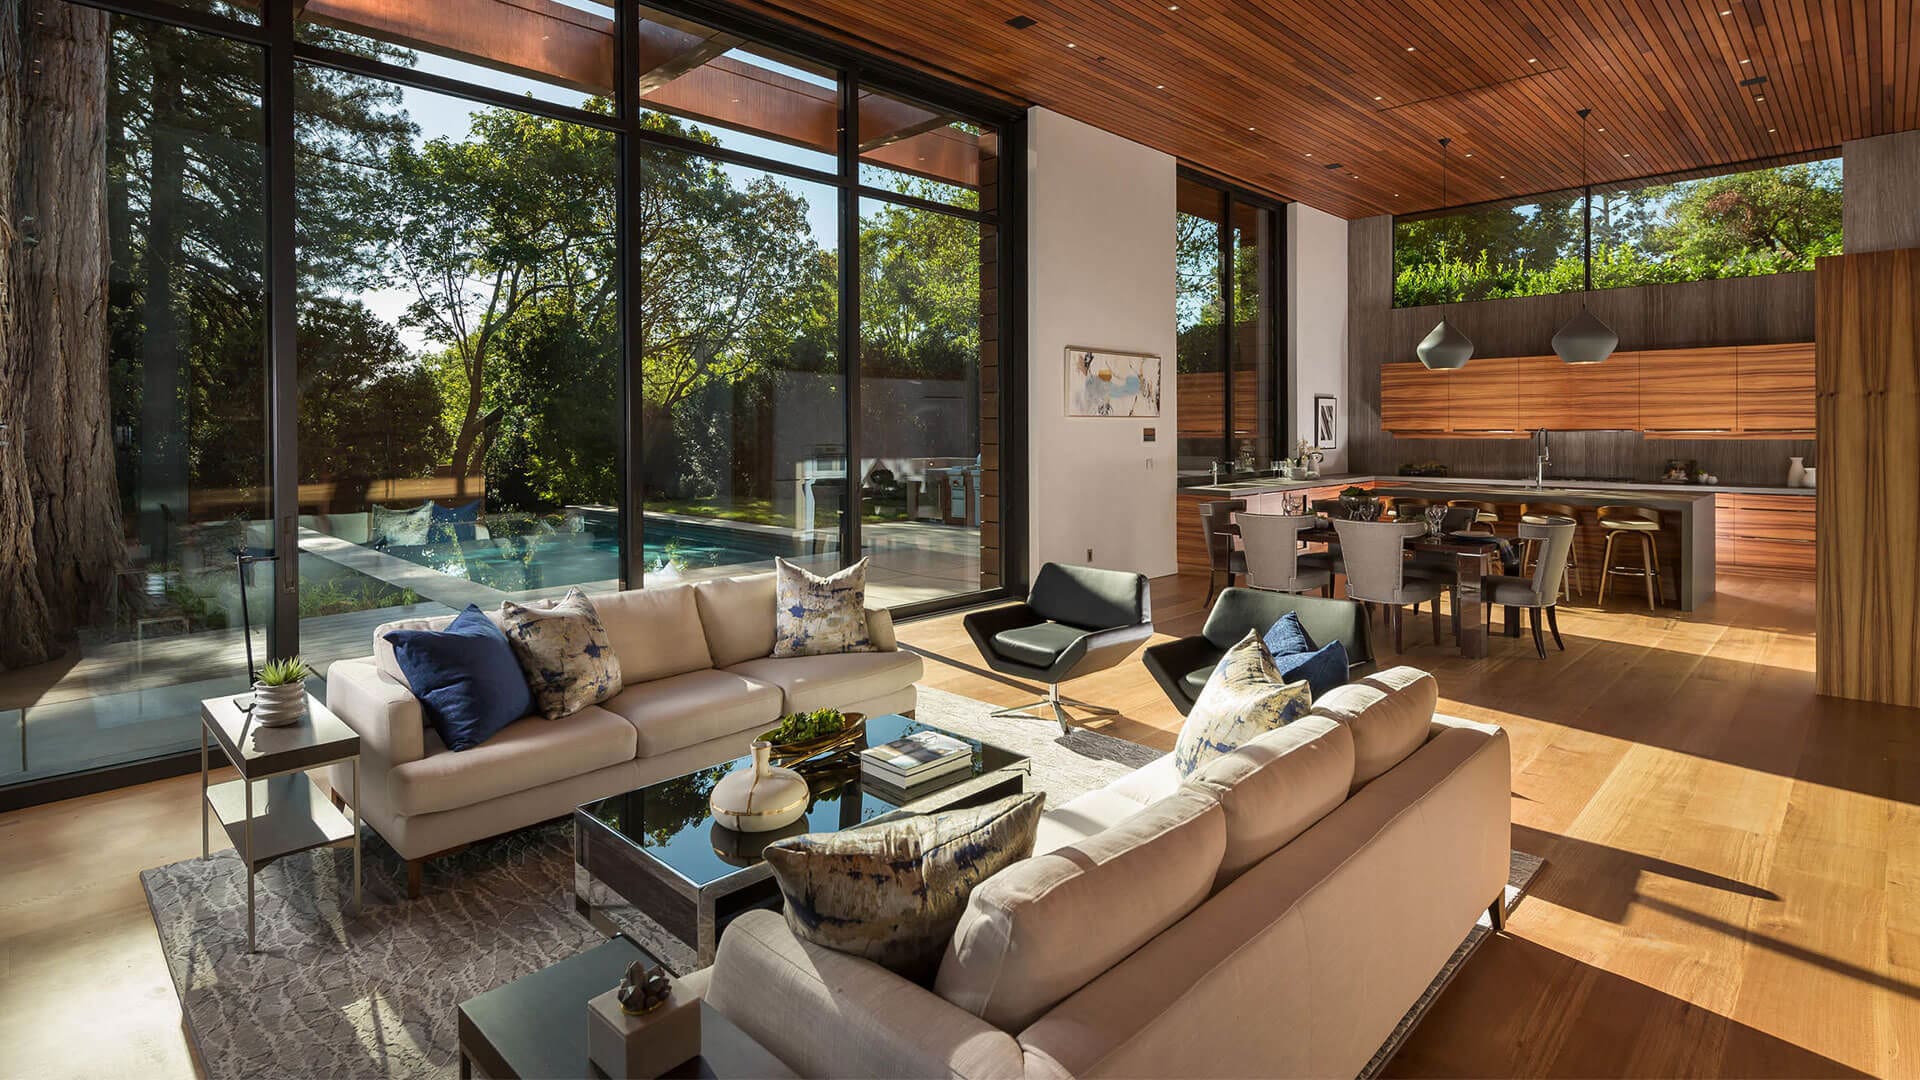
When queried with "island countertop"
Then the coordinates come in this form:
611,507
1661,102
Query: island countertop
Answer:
1626,489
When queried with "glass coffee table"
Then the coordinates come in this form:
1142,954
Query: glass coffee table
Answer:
658,849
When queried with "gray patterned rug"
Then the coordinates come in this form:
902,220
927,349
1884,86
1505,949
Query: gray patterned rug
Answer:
333,993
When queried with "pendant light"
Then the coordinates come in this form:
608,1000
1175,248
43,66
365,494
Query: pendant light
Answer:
1445,348
1585,339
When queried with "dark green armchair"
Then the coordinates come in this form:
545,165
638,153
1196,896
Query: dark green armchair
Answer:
1181,667
1076,620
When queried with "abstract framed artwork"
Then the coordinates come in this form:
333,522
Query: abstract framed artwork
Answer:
1325,410
1112,383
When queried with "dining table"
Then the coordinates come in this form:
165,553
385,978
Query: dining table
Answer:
1473,558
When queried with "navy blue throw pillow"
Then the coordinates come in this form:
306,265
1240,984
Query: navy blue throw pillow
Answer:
1287,636
1324,668
465,676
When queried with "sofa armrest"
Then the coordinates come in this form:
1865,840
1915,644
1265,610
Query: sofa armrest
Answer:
880,630
385,713
826,1013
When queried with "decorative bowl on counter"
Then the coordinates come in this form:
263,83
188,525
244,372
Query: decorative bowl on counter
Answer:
852,731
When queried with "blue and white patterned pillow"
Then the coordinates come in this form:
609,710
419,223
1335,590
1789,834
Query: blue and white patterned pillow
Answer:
1244,698
564,651
815,615
893,892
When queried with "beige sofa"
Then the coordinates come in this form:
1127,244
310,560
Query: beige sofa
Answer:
699,686
1276,915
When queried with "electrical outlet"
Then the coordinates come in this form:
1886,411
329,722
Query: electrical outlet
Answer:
1089,554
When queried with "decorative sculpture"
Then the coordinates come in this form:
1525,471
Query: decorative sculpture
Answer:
643,989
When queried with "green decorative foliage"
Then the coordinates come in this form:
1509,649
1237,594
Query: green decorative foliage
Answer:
806,726
283,672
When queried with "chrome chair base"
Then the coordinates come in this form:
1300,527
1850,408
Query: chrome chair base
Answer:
1056,705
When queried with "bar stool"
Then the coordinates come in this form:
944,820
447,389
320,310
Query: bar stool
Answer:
1485,513
1408,509
1543,514
1641,524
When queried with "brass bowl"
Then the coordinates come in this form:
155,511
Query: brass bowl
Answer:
854,732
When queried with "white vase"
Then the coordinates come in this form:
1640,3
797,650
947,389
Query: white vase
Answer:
1806,480
760,799
1796,472
279,706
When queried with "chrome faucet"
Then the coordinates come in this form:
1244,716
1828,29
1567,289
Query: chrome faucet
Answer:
1542,460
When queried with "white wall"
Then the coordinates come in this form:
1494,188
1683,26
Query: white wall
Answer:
1317,323
1100,215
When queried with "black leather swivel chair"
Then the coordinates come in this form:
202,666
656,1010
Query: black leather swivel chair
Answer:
1182,667
1076,620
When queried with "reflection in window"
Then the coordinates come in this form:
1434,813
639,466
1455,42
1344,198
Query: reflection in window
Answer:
459,372
744,416
1253,342
1199,312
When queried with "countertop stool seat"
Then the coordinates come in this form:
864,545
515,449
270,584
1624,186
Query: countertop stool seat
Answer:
1548,513
1637,525
1485,513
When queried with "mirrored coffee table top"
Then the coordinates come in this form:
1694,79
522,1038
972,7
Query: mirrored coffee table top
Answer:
669,821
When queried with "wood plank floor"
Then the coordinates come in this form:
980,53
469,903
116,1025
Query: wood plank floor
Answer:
1732,887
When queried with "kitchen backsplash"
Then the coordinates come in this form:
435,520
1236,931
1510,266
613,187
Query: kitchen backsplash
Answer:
1624,455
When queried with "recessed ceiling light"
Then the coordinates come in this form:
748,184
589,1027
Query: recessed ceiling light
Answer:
1603,131
1759,97
1532,60
1746,61
1309,155
1250,129
1503,176
1409,48
1021,22
1173,7
1466,155
1159,86
1071,45
1376,97
1769,131
1626,155
1728,11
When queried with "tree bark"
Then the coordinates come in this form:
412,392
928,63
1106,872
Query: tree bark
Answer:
58,484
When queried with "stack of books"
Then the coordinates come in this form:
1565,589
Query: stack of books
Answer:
916,759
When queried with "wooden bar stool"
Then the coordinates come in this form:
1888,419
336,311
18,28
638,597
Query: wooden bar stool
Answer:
1543,514
1641,524
1485,513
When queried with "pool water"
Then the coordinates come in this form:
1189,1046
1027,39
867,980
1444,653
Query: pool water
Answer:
554,560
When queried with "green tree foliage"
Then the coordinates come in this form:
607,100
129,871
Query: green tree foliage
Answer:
362,400
1763,221
919,292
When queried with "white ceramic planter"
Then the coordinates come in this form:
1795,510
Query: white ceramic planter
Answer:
278,706
761,799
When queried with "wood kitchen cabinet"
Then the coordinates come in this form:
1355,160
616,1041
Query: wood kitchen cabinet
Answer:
1688,392
1413,400
1546,394
1606,396
1775,389
1483,398
1771,535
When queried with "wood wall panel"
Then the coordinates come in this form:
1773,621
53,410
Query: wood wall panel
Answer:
1484,396
1776,388
1413,398
1686,390
1867,638
1607,395
1546,393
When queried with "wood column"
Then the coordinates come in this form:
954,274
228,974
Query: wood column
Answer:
1867,628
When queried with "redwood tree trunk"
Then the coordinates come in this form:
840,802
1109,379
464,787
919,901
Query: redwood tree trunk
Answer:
60,531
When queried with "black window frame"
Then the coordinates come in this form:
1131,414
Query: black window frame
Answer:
1230,196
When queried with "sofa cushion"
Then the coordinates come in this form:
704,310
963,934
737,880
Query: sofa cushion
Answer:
1038,645
681,710
1245,697
1043,928
655,632
383,657
564,650
467,680
893,891
1324,669
525,754
736,615
1275,787
1389,712
819,682
817,616
1150,783
1084,815
1196,680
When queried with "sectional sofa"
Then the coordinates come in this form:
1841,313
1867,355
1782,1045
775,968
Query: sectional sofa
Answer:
699,685
1275,915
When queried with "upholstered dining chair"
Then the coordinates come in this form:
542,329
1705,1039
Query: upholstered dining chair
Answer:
1377,571
1271,544
1076,620
1222,556
1552,542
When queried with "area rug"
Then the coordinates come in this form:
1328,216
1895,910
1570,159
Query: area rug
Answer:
374,993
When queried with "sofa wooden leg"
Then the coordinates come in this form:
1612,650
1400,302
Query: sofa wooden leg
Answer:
414,867
1497,911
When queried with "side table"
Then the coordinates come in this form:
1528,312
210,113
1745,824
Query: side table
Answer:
275,809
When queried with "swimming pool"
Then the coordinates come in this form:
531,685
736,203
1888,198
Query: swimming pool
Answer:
557,559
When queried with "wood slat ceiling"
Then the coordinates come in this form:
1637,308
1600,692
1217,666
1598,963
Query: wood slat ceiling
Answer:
1271,92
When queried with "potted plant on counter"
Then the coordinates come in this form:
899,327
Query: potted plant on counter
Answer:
1359,503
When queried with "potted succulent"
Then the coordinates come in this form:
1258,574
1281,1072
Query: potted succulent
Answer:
280,692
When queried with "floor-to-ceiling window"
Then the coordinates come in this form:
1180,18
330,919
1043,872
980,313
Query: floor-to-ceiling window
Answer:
1227,258
582,294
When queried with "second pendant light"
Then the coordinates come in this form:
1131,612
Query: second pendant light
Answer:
1445,347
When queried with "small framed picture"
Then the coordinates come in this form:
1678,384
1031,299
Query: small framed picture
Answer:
1325,407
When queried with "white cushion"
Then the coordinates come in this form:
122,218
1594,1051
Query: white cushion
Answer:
819,682
682,710
1078,818
736,615
1042,928
655,632
1149,783
1245,697
525,754
1277,786
1389,712
383,657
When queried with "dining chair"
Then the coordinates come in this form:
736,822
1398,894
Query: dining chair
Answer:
1485,513
1541,591
1377,571
1216,518
1547,513
1271,547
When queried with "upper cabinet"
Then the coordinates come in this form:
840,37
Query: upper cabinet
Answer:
1483,398
1687,391
1775,391
1750,391
1606,396
1413,400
